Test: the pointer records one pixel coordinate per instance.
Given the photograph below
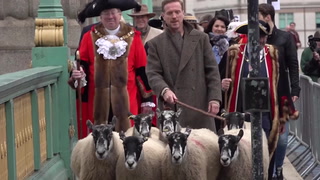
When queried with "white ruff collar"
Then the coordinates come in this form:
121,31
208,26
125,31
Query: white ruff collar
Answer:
111,46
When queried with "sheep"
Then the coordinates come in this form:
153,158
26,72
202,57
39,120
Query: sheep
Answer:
236,154
191,155
142,126
95,156
168,123
236,120
141,158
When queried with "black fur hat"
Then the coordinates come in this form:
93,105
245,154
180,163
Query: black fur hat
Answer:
95,7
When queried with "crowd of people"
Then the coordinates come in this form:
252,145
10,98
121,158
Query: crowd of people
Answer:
155,62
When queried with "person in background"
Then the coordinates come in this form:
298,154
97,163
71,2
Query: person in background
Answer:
292,29
113,60
288,86
181,66
310,61
193,21
204,20
216,30
141,19
240,67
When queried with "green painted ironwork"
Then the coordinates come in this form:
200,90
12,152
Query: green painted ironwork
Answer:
12,168
55,116
48,116
149,3
58,56
49,9
35,129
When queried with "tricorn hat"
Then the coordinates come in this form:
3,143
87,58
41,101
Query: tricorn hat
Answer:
95,7
263,26
142,12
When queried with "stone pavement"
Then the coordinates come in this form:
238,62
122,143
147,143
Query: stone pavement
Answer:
289,172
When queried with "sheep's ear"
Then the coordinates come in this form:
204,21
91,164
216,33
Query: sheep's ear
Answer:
223,112
178,112
132,117
187,132
89,125
113,122
247,117
151,114
240,134
122,135
144,139
220,132
158,113
178,127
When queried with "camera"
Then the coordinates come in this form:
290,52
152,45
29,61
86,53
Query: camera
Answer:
312,41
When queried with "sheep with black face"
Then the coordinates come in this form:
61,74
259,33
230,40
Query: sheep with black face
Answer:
236,120
142,126
192,155
141,158
168,122
95,156
236,154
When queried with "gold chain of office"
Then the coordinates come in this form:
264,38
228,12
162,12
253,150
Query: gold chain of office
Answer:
126,36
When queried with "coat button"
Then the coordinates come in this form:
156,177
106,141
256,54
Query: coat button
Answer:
193,88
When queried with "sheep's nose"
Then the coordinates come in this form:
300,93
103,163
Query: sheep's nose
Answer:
100,154
130,163
224,159
176,158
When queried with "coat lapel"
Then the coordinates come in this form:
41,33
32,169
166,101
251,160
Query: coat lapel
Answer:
189,44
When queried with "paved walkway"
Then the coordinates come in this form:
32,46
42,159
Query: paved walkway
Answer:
289,172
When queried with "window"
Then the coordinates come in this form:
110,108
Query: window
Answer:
285,19
317,20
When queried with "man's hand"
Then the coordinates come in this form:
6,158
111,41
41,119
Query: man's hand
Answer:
225,83
294,98
76,74
213,107
316,56
146,107
169,97
282,128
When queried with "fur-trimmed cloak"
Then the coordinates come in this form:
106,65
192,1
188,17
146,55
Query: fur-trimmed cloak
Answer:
236,59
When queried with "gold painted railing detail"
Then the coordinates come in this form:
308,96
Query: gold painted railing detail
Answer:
42,125
3,144
23,129
49,32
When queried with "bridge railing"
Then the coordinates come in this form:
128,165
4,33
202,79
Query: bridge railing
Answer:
30,125
307,128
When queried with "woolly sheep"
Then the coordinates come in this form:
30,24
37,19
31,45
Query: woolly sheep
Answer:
236,120
141,158
95,156
142,126
236,154
192,155
168,123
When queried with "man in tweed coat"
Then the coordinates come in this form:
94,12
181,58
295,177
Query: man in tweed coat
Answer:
181,66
